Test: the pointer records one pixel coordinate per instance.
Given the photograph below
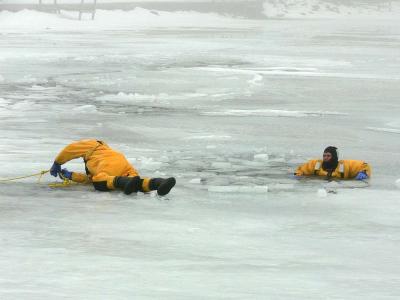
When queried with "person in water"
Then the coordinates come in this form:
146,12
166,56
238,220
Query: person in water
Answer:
331,167
107,169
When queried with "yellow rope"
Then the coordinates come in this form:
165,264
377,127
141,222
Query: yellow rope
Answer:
66,182
41,173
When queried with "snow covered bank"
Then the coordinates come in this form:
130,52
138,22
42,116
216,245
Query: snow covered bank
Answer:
325,8
139,18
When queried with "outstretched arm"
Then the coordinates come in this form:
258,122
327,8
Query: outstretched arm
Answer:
75,150
72,151
307,169
359,170
75,176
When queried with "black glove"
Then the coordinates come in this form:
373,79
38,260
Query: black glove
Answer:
66,174
55,169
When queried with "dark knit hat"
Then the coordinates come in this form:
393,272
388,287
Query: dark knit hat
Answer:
332,150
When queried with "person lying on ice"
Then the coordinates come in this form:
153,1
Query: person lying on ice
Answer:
107,169
330,167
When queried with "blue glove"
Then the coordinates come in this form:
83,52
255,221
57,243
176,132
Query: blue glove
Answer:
55,169
361,176
65,173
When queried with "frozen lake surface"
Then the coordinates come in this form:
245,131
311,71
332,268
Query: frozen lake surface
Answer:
230,110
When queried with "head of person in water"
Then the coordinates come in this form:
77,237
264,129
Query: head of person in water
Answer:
330,159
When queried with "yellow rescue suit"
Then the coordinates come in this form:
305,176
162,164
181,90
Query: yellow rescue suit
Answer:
102,164
346,169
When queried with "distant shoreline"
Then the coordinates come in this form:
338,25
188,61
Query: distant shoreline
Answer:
247,9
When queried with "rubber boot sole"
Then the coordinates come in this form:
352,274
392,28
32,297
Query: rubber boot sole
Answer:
166,186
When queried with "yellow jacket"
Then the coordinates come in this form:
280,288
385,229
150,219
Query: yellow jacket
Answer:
346,169
101,162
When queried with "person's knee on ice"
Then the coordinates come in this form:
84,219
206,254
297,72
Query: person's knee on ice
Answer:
103,182
127,184
101,186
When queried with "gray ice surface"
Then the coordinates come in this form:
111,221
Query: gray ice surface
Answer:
225,111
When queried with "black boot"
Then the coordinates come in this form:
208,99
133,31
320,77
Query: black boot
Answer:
128,184
163,186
